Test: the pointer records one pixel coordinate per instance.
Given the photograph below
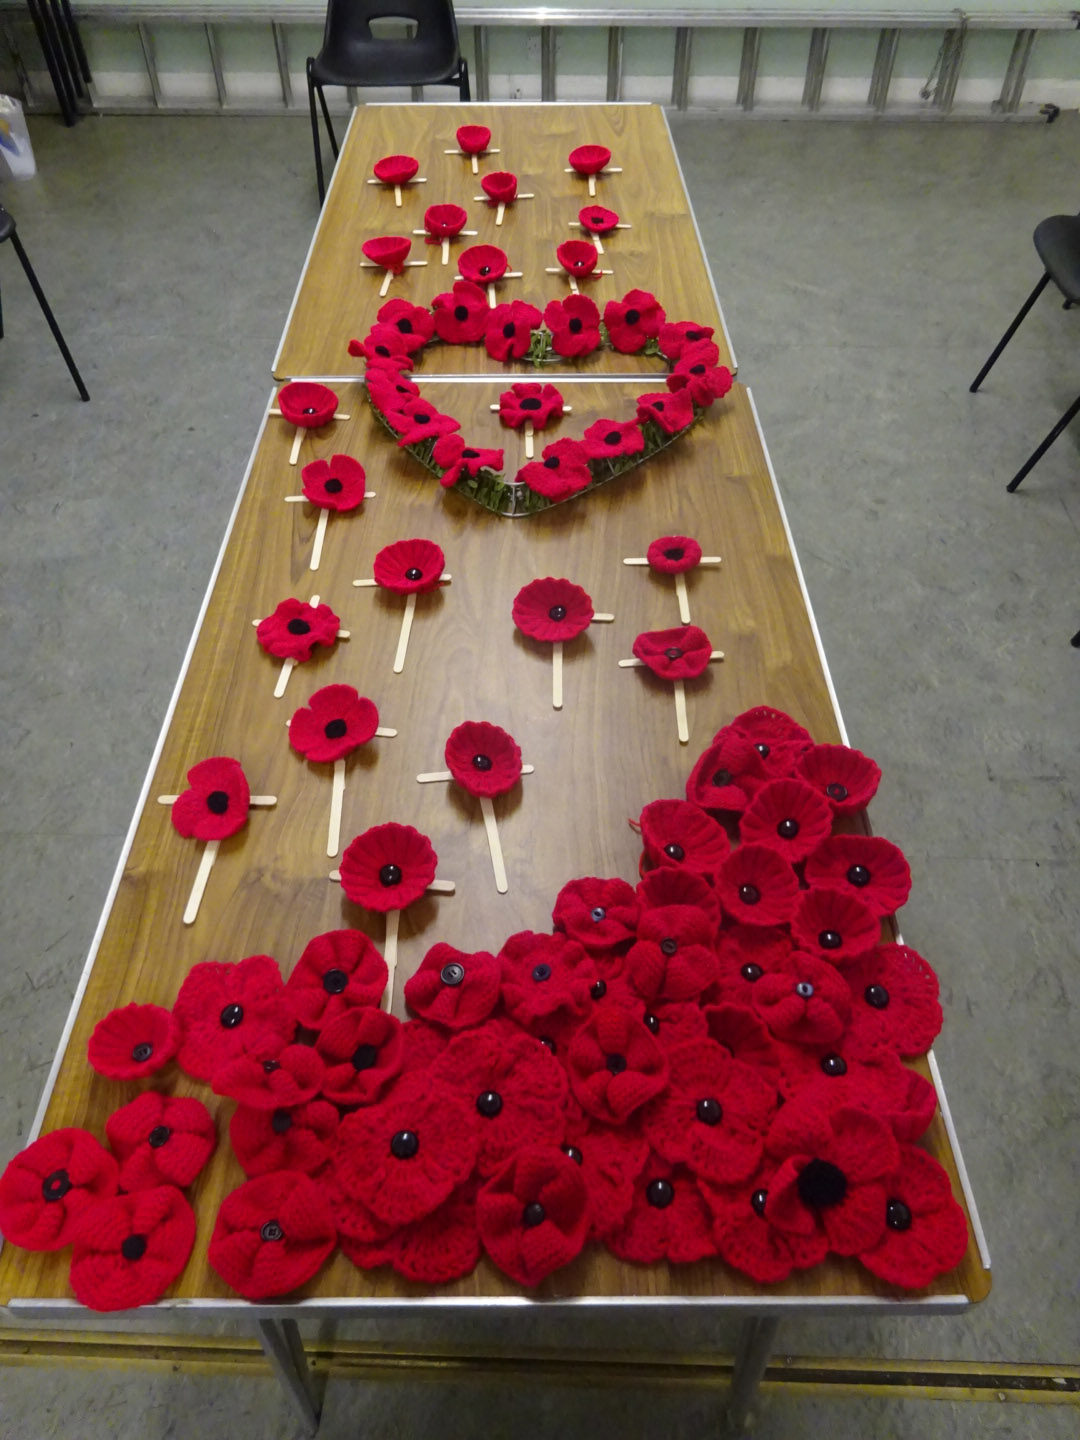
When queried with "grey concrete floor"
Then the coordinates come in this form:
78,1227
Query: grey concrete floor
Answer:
865,271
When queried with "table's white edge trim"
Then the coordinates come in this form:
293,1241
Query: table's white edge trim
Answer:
958,1158
643,377
509,104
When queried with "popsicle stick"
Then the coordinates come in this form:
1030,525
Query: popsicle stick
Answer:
393,921
416,179
529,433
385,286
592,184
475,164
442,887
337,795
635,560
337,415
601,619
288,665
406,631
500,212
574,286
628,664
710,560
385,732
682,597
596,242
487,809
491,297
680,712
556,675
298,440
303,499
415,262
202,875
444,579
265,800
717,655
397,196
446,250
429,776
320,536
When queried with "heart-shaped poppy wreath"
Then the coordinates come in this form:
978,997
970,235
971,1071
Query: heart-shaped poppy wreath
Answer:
570,328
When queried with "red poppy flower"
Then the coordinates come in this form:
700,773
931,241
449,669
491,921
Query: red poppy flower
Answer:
677,336
615,1064
597,220
668,1218
873,869
775,736
672,554
706,354
545,977
742,1034
129,1249
533,1216
746,1239
633,321
551,609
529,400
577,257
334,484
409,566
412,322
384,345
757,886
589,159
459,459
271,1077
483,264
388,389
895,1001
272,1235
483,758
680,653
574,324
388,867
673,884
847,778
297,1137
880,1082
610,1160
727,775
454,989
395,169
335,721
215,805
133,1041
444,222
389,251
674,832
49,1185
671,410
599,914
703,382
831,923
473,139
363,1053
803,1000
563,471
160,1140
613,439
423,1045
510,329
500,187
227,1010
745,955
418,420
926,1231
460,317
307,404
434,1250
672,958
295,628
338,971
787,816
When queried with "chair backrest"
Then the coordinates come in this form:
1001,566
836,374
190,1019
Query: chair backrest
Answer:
349,47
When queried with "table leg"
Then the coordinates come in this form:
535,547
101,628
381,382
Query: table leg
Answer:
756,1342
280,1340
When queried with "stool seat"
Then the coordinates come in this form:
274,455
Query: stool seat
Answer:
1057,240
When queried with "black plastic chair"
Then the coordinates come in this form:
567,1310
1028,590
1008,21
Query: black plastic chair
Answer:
1058,242
351,55
8,232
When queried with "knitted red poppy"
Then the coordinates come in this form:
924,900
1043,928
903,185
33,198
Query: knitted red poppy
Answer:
674,832
338,971
422,1045
395,169
454,989
832,1075
129,1249
388,867
384,343
847,778
775,736
577,257
599,914
459,459
673,884
894,1001
744,955
363,1052
160,1140
460,316
789,817
389,251
678,653
551,609
672,410
409,566
757,886
473,139
563,471
744,1036
404,1156
528,400
926,1231
215,804
133,1041
272,1235
334,722
334,484
874,870
677,336
483,264
418,420
533,1216
500,186
574,324
298,1137
544,976
433,1250
671,1022
706,352
703,381
509,330
803,999
484,759
830,922
227,1010
615,1064
747,1240
597,220
613,439
444,222
412,322
387,389
46,1187
271,1077
672,957
672,554
633,321
295,628
668,1218
307,404
589,159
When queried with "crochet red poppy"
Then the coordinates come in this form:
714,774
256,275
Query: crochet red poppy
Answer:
295,628
297,1137
672,957
672,411
444,222
529,400
804,1000
610,1159
832,1075
46,1187
271,1077
335,721
744,955
747,1240
483,264
679,653
395,169
545,976
577,257
473,139
597,220
409,566
742,1034
872,868
574,324
633,321
363,1052
830,922
926,1231
272,1235
706,352
434,1250
389,251
509,330
500,187
533,1216
460,316
599,914
668,1218
613,439
133,1041
847,778
418,420
227,1010
459,459
775,736
564,471
671,1022
483,758
412,322
589,159
215,804
454,989
384,343
307,404
615,1064
789,817
672,884
129,1249
404,1156
388,389
672,554
677,336
423,1044
894,1001
552,609
160,1140
338,971
674,832
334,484
388,867
703,381
757,886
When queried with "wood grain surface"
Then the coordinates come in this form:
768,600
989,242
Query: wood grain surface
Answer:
338,300
598,761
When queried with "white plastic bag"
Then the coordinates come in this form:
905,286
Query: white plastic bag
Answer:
16,152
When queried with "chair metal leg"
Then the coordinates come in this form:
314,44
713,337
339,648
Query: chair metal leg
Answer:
464,93
49,316
329,122
315,134
756,1343
1034,458
1010,332
1076,640
281,1343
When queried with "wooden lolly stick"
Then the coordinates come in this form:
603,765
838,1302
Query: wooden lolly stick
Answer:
406,631
491,297
393,921
592,184
416,179
556,675
680,712
596,242
475,164
287,667
265,800
431,775
202,875
494,845
635,560
337,795
710,560
446,250
682,597
298,440
320,536
442,887
574,286
385,286
717,655
627,664
500,212
601,619
397,200
337,415
385,732
416,262
529,433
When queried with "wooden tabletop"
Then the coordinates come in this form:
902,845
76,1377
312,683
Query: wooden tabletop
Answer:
338,300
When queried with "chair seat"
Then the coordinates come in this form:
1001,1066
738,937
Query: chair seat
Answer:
404,63
1057,240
